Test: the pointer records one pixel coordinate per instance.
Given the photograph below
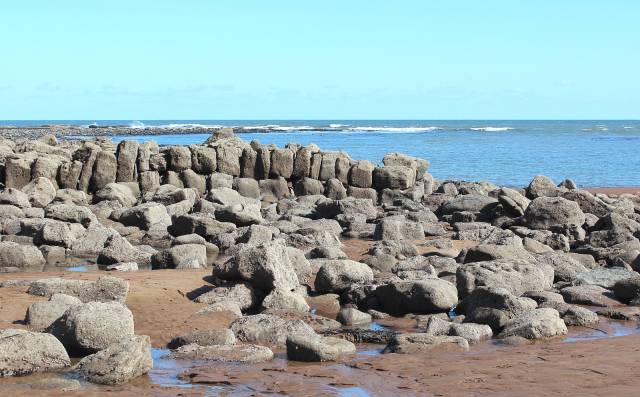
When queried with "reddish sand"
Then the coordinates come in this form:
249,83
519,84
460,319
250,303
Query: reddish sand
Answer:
615,190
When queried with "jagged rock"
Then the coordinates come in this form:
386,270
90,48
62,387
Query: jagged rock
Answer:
127,154
242,294
338,275
180,257
23,353
104,170
204,337
471,332
41,315
117,250
249,354
279,300
268,329
417,296
421,342
393,177
70,213
104,289
542,186
535,324
573,315
40,192
591,295
93,326
493,306
604,277
516,276
19,256
315,348
122,361
398,228
553,213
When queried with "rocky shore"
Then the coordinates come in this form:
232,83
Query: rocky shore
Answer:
303,249
79,132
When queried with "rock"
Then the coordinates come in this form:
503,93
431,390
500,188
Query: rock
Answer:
127,154
317,348
248,354
361,174
278,300
553,213
93,241
123,267
204,337
228,155
604,277
93,326
41,315
573,315
116,192
421,342
513,201
266,266
307,186
104,170
40,192
104,289
223,306
178,158
473,333
17,170
241,294
417,296
117,250
493,306
469,202
70,213
23,353
542,186
14,197
351,316
269,330
146,215
516,276
203,160
239,214
181,256
393,177
335,190
565,267
20,256
247,187
398,228
628,290
591,295
281,163
338,275
128,358
200,223
535,324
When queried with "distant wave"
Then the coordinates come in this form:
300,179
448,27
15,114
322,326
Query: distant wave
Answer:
394,129
491,129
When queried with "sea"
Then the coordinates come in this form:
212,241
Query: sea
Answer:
593,153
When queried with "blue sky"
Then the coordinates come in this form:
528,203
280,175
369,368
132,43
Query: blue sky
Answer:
318,59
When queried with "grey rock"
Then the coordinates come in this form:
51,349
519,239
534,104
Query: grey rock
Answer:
126,359
417,296
421,342
312,348
23,353
535,324
338,275
248,354
204,337
269,330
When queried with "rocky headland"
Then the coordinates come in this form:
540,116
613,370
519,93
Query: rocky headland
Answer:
303,250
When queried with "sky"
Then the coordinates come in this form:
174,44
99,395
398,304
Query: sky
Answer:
319,59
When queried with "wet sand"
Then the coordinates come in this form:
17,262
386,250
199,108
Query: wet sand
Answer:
607,366
615,190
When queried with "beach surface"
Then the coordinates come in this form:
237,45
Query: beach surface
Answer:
596,367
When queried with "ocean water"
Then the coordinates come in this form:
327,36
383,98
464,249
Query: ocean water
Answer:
593,153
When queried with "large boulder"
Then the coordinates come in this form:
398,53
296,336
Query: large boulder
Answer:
104,289
471,332
398,228
93,326
116,192
417,296
118,249
551,213
419,165
183,256
268,330
315,348
146,215
204,337
23,353
542,186
70,213
40,315
203,160
178,158
422,342
394,177
40,191
628,290
535,324
338,275
20,256
120,362
266,266
241,294
104,170
468,202
246,354
516,276
493,306
361,174
127,154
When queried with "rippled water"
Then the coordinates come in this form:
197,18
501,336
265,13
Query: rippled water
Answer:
593,153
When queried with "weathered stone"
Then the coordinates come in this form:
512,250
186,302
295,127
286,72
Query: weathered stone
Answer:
127,154
204,337
393,177
249,354
40,192
421,342
104,170
104,289
19,256
553,212
535,324
312,348
23,353
417,296
128,358
178,158
338,275
269,330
